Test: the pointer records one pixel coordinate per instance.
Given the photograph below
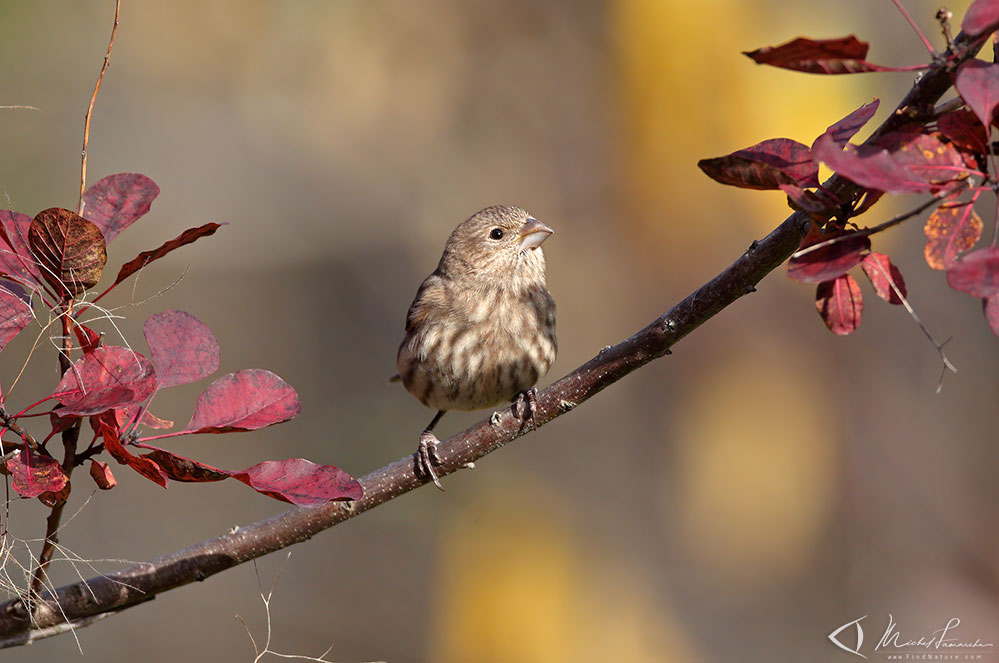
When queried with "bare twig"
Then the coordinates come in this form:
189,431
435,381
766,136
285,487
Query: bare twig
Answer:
142,582
90,109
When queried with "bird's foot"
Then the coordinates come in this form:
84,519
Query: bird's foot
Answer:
426,457
526,405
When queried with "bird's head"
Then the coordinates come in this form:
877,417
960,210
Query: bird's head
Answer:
501,243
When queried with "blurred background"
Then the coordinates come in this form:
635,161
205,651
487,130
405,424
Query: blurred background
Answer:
736,501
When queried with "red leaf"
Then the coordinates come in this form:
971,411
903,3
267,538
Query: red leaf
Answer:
182,348
53,498
70,250
35,474
15,257
840,304
109,377
925,155
766,165
990,307
89,339
882,273
15,315
841,132
977,273
982,16
978,84
250,399
125,414
829,261
963,129
300,482
144,466
818,56
179,468
117,201
146,257
101,474
950,231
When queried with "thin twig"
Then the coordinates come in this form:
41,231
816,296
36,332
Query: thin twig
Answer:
919,33
90,109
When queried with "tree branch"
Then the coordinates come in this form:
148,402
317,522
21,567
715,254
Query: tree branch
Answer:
142,582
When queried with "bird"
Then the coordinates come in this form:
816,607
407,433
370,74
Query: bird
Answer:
481,329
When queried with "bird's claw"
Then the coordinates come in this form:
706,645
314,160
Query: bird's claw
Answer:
426,457
526,405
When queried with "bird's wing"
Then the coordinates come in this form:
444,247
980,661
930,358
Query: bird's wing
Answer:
432,296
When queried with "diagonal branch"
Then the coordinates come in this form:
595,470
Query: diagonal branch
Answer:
77,602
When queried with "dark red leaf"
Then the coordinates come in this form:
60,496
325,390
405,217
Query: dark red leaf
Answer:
35,474
882,274
112,442
977,273
814,203
182,348
15,315
950,231
179,468
70,250
15,254
117,201
843,252
982,16
990,307
869,166
818,56
109,377
766,165
840,304
250,399
146,257
871,197
55,498
300,482
978,84
89,339
101,474
59,424
962,128
841,132
925,154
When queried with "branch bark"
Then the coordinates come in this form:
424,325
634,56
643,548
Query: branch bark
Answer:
78,603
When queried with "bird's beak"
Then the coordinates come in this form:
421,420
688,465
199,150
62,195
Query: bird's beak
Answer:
532,233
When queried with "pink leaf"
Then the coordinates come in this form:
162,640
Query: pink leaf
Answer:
109,377
250,399
978,84
990,307
925,155
15,315
882,274
869,166
182,348
977,273
117,201
35,474
982,16
840,304
841,132
300,482
15,254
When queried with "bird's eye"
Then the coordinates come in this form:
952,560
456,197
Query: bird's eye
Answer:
496,233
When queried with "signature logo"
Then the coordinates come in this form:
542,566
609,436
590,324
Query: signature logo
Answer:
860,637
893,643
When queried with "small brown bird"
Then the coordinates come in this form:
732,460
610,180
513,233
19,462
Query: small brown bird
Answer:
481,330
